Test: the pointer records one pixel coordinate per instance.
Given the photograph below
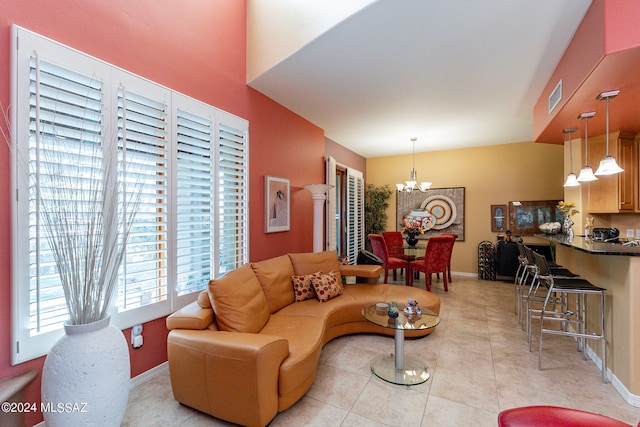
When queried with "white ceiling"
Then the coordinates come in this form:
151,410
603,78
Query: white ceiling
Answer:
453,73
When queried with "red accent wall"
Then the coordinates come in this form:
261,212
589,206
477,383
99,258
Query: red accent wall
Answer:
621,24
345,157
197,48
603,55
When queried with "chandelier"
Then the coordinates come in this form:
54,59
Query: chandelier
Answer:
412,183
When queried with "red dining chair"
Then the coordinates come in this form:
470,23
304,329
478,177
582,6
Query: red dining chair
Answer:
379,248
395,244
455,237
436,260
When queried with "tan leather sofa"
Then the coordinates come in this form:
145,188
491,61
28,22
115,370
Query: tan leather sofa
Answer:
247,350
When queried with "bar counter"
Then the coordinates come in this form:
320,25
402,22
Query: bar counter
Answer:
592,247
616,268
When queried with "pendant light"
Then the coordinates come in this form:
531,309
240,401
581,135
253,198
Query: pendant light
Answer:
608,165
411,184
586,173
571,181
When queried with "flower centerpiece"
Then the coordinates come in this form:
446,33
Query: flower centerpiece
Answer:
568,209
411,231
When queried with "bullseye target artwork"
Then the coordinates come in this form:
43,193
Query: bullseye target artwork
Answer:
436,211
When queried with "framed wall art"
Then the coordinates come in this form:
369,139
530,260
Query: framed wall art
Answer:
499,218
438,210
277,205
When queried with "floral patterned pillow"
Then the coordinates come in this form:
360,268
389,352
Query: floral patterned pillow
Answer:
302,287
326,285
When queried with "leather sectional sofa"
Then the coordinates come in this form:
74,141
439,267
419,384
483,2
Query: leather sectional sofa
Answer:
249,347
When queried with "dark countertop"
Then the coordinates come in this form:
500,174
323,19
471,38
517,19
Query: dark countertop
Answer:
589,246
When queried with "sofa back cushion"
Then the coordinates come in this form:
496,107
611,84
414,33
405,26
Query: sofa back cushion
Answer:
238,301
274,275
313,262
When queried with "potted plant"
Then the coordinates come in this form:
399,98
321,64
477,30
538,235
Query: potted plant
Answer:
375,209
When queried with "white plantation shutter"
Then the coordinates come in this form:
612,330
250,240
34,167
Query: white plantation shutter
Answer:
64,115
189,159
195,192
355,214
143,133
233,194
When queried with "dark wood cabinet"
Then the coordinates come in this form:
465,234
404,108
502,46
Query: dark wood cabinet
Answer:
507,258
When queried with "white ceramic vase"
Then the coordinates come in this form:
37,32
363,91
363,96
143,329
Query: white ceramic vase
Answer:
85,379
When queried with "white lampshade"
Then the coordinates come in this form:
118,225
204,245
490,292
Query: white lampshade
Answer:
571,181
586,174
608,166
424,186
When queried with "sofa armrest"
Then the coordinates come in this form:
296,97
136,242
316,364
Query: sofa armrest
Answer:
191,316
361,270
226,373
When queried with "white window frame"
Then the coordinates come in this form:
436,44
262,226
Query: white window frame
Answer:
26,346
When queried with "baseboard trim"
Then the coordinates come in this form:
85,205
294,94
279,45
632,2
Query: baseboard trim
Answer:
148,375
630,398
461,273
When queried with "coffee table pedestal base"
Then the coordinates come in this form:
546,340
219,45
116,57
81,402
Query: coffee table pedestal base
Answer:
413,372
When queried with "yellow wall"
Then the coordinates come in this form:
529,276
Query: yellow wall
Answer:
491,175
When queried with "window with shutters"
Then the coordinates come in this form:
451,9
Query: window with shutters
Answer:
188,159
355,214
194,206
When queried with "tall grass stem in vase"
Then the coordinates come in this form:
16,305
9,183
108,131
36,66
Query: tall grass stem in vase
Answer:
85,204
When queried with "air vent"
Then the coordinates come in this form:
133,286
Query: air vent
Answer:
555,97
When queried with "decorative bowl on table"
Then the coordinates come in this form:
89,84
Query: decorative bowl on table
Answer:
550,227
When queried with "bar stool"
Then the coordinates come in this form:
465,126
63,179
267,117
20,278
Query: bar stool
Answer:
559,289
556,271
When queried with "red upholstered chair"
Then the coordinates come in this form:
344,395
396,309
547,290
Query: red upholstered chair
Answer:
379,248
547,416
436,260
455,236
395,243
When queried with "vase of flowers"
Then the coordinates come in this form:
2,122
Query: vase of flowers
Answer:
568,209
411,231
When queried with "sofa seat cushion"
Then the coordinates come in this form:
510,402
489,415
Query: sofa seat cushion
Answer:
305,337
238,301
274,275
345,308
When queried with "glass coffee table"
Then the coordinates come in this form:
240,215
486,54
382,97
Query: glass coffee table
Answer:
398,368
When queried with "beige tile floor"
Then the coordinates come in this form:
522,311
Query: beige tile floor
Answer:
480,366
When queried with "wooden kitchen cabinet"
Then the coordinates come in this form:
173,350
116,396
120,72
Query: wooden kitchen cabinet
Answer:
614,193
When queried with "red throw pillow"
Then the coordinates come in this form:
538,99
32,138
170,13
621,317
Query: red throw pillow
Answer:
302,287
326,285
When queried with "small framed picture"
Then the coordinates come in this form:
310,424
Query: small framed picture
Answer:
499,218
277,204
